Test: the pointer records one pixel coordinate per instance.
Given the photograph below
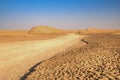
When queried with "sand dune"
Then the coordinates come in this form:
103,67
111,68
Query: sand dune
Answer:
44,29
17,58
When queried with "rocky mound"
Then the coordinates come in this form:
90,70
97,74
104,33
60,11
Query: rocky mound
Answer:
98,60
44,29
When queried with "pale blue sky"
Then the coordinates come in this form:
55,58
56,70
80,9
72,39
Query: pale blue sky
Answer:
62,14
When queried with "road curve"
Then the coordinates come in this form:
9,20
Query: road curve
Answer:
18,57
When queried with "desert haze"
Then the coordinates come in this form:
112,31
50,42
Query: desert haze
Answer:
46,53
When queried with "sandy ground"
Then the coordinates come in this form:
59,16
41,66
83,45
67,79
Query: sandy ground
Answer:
16,58
98,60
5,38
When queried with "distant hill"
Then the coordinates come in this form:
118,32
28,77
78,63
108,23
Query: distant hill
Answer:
45,29
94,30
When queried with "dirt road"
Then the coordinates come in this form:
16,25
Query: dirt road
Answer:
98,60
18,57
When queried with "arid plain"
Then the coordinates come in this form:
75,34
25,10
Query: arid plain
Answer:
45,53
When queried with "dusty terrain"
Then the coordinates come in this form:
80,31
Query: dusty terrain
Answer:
94,30
26,37
98,60
45,53
16,58
36,33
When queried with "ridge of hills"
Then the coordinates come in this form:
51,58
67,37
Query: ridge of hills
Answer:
47,29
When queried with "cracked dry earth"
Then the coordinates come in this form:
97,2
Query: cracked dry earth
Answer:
98,60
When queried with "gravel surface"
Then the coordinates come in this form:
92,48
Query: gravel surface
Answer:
98,60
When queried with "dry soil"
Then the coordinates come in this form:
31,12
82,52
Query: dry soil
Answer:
16,58
98,60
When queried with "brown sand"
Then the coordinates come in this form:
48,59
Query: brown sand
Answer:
98,60
16,58
116,33
13,32
26,37
94,30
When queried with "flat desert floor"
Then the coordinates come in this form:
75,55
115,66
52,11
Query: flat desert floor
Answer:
7,38
98,60
18,55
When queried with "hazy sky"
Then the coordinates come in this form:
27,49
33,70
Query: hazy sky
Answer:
63,14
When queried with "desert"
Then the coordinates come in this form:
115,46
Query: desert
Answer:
42,53
59,39
98,60
20,52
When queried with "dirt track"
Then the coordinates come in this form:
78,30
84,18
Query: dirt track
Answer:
18,57
98,60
